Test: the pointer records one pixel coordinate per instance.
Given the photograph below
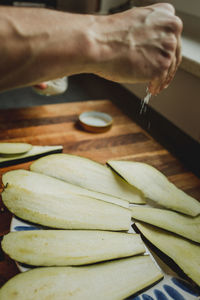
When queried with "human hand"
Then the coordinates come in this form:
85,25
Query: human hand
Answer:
140,45
162,82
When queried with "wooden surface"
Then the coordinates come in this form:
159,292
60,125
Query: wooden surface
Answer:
57,125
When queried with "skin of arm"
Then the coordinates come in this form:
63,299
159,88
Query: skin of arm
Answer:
139,45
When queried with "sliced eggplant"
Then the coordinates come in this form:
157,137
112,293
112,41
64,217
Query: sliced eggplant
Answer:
183,252
87,174
183,225
113,280
70,247
33,153
155,186
67,212
48,185
14,148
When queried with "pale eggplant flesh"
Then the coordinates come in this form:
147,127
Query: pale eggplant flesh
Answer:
70,247
87,174
155,186
184,253
33,153
65,212
186,226
114,280
14,148
37,182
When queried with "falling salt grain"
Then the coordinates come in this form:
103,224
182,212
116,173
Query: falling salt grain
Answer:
145,101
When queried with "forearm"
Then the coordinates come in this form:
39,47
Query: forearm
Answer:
139,45
40,44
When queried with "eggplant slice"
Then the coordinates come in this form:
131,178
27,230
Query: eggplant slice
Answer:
183,252
87,174
155,186
114,280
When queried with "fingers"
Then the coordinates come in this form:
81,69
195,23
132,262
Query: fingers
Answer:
174,66
165,7
159,83
178,52
176,62
41,86
155,86
162,82
144,43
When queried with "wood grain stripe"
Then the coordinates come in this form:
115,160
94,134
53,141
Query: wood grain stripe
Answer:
37,122
113,141
106,153
120,125
61,109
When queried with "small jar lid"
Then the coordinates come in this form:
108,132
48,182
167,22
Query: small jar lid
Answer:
95,121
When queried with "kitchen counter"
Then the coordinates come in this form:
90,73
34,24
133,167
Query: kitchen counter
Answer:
56,124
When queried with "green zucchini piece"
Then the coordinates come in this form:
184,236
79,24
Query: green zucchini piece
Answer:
186,226
52,186
183,252
87,174
33,153
114,280
155,186
70,247
67,212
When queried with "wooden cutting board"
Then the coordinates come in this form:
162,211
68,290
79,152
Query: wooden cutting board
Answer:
57,125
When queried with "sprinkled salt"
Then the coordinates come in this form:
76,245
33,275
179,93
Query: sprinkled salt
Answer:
145,101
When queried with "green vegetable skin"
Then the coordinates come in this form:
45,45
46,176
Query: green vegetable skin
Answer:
113,280
70,247
87,174
155,186
183,225
184,253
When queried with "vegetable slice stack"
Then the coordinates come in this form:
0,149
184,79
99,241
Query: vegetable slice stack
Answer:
14,153
155,186
183,225
44,184
183,252
87,174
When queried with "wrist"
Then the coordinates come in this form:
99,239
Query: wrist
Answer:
101,38
85,49
113,51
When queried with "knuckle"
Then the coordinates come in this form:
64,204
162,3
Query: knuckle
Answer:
168,6
179,24
176,24
164,63
170,44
